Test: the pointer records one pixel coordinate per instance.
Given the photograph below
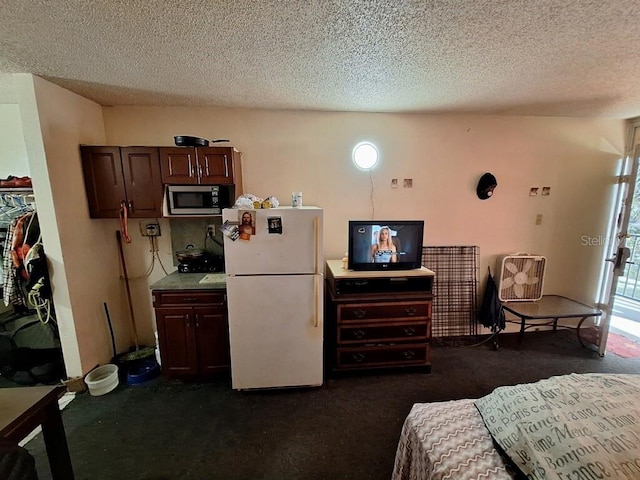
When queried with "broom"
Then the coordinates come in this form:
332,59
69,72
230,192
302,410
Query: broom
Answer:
139,353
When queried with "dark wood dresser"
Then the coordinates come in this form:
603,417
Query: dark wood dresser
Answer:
377,319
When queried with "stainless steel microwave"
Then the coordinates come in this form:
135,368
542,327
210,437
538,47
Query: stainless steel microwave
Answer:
197,199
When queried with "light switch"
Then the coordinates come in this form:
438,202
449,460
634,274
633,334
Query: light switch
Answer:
539,219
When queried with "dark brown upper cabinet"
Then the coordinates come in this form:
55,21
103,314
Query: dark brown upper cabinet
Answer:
122,177
200,165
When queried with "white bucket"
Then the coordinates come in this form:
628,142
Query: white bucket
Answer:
102,380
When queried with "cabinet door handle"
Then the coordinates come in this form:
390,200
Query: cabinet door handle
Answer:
197,321
131,206
190,168
226,167
409,354
359,313
186,317
199,170
357,357
359,333
410,311
408,331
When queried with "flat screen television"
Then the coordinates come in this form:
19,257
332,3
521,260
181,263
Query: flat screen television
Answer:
385,245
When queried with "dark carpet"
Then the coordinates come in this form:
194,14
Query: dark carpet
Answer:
348,429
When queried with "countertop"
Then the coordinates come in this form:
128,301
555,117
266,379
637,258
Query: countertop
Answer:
190,281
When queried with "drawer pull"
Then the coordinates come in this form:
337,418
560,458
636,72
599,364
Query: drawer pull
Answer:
189,299
410,311
409,354
408,331
359,313
357,357
359,333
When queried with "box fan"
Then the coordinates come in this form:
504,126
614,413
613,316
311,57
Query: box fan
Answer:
520,277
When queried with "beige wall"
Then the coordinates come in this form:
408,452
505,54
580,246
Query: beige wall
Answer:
444,155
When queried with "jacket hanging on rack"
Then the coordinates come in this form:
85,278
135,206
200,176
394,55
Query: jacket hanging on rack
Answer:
24,232
491,314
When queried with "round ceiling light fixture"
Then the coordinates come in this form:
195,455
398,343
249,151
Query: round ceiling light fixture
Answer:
365,155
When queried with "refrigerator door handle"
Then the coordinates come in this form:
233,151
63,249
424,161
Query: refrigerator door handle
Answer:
316,290
316,230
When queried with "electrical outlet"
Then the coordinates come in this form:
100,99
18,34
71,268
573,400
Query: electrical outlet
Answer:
211,231
150,229
408,182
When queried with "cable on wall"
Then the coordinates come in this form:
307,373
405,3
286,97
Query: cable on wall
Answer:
373,205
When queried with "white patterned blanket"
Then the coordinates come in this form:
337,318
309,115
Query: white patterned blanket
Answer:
447,440
570,427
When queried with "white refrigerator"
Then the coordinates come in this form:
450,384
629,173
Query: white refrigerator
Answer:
275,298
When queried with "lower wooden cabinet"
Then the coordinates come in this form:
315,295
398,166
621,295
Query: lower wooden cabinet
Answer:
193,332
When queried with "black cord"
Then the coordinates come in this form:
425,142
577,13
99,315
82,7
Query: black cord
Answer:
113,341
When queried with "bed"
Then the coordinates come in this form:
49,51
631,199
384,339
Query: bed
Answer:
569,427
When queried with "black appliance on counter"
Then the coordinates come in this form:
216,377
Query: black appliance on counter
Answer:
206,264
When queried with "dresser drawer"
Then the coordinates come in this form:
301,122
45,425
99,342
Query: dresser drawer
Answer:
388,332
383,355
359,312
164,298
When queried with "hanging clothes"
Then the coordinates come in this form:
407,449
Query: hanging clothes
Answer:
10,289
23,232
27,234
491,313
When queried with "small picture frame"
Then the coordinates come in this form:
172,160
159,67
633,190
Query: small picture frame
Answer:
274,225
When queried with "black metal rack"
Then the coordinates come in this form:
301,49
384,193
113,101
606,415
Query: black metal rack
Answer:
454,289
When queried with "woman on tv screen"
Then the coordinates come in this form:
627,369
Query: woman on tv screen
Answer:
384,250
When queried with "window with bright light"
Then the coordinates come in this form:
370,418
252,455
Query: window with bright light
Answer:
365,155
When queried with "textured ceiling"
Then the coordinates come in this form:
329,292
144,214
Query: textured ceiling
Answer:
534,57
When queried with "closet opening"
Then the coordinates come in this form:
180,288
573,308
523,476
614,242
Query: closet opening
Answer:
30,350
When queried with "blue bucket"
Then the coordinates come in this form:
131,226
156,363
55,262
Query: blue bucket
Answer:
142,370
